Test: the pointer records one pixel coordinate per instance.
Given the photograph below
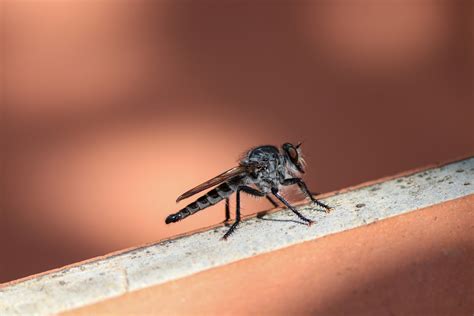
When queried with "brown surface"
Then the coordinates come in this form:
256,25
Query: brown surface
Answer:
114,108
415,264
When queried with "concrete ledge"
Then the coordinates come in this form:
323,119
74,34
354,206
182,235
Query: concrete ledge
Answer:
114,275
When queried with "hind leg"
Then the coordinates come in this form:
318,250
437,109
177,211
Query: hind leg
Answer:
237,216
227,213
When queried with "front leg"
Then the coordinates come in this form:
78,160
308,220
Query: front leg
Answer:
282,199
302,185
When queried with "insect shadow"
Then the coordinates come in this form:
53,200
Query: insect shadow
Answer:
261,216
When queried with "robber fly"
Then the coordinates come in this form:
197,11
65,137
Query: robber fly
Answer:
266,168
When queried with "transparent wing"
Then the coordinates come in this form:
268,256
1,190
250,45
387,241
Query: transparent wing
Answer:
239,170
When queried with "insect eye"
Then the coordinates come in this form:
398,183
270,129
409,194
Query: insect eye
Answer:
293,153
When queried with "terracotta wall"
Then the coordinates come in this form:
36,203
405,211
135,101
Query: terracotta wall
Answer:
113,108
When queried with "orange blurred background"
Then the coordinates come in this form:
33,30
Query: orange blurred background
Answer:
111,109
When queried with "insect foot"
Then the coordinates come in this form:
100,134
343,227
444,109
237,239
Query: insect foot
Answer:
227,235
327,208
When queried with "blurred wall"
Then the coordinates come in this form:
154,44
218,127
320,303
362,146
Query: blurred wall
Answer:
114,108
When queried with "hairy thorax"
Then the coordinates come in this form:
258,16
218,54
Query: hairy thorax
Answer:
273,167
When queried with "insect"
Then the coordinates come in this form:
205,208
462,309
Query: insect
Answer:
262,172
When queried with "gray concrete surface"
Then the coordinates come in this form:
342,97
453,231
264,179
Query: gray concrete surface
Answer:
108,277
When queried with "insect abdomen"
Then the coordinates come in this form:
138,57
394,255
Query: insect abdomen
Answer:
210,198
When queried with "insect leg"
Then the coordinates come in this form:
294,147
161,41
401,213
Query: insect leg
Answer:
237,215
304,188
227,211
282,199
255,192
251,191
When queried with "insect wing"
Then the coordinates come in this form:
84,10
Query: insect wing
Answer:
241,169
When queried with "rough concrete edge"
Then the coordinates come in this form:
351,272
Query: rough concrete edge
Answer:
98,279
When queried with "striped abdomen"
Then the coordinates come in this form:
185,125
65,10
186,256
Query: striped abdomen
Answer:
212,197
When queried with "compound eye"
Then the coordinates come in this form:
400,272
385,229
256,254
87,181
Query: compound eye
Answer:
293,153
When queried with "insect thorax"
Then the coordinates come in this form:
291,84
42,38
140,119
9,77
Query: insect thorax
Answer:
274,170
